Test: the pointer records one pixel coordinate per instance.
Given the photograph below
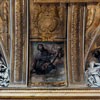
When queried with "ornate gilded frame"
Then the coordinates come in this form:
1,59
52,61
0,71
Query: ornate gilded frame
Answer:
18,26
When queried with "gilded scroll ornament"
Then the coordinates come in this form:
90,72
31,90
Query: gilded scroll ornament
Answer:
90,15
47,21
92,25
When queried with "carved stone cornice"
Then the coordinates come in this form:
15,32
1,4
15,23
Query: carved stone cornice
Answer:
47,21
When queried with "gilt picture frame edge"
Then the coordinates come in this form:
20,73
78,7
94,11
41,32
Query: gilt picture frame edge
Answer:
51,94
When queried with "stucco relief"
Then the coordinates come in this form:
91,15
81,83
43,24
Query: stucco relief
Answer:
92,46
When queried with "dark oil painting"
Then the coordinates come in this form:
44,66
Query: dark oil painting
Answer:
47,64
